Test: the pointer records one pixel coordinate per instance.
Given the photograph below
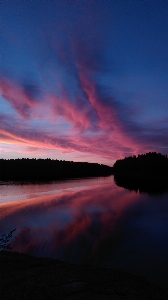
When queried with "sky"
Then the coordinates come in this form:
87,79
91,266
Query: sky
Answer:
83,80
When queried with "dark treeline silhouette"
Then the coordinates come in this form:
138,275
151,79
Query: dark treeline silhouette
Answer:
151,162
47,169
147,173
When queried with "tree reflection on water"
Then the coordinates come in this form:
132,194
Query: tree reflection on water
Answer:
95,223
150,184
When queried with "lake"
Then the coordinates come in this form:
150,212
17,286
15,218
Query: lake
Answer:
89,221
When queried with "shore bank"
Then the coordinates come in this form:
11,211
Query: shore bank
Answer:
28,277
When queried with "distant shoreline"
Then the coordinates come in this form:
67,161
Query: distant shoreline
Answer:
44,170
146,164
149,167
146,173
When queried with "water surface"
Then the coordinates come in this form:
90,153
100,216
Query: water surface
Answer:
89,221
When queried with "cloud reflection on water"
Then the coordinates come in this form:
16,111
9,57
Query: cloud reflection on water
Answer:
52,223
97,224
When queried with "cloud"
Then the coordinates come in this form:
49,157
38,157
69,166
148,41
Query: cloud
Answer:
96,146
22,97
77,114
72,110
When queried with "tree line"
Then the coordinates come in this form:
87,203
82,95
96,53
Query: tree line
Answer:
49,169
148,163
146,173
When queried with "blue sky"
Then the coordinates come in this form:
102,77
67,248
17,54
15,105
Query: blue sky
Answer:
83,80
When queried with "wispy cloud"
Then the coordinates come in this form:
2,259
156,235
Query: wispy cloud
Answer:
77,91
22,97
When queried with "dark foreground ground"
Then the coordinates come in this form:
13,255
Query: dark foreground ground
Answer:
27,277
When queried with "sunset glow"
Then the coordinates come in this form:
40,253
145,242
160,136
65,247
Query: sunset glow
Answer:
83,80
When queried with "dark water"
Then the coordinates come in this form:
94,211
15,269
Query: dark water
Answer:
89,221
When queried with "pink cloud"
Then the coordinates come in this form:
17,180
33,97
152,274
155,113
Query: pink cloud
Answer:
19,97
109,122
79,118
106,113
96,128
100,145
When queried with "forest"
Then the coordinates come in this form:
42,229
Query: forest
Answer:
48,169
149,163
146,173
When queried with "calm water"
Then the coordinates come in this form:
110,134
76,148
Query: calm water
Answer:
89,220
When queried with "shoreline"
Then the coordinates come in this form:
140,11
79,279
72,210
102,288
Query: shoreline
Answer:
33,277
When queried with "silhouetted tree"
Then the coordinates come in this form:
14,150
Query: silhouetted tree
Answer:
4,241
146,173
46,169
151,162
